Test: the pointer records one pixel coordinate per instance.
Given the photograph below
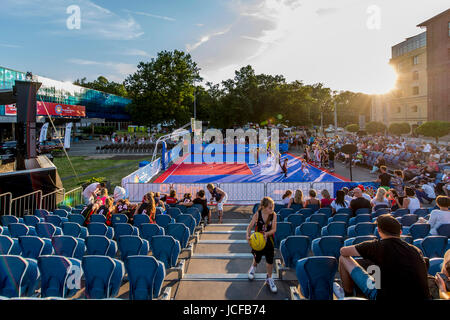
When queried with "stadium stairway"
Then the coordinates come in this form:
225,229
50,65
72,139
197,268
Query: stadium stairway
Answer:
217,269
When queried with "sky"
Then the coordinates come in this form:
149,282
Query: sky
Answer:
345,44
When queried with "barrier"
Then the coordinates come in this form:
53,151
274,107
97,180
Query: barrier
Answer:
276,190
50,200
144,174
26,204
243,193
73,197
5,203
136,191
319,186
192,188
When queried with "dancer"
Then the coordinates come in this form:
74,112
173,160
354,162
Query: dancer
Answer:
283,166
304,167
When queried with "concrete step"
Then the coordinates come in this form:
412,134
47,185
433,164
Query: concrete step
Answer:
225,256
224,276
226,241
223,266
222,248
212,231
223,236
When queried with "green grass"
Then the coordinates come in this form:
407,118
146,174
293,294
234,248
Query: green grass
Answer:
81,165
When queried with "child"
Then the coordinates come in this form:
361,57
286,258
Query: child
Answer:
287,197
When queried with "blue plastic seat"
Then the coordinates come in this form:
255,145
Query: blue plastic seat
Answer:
328,246
41,213
100,229
400,212
198,206
17,230
18,276
306,212
163,220
47,230
173,212
421,212
381,206
146,276
361,229
335,229
65,208
119,218
61,212
285,212
435,266
294,248
310,229
97,218
408,219
255,207
181,207
419,230
339,217
148,230
180,232
432,246
32,247
55,220
100,245
295,220
320,218
407,238
9,245
103,276
444,230
379,212
327,210
359,218
278,207
345,210
132,246
74,229
355,240
363,211
166,249
76,218
125,229
139,219
188,221
60,276
69,247
284,230
195,213
8,219
315,276
31,220
313,207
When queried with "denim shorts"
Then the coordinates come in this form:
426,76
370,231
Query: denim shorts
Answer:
362,280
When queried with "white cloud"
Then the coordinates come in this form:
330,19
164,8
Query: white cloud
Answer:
146,14
121,69
136,52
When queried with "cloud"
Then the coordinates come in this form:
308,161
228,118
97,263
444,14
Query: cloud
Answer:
6,45
136,52
146,14
123,69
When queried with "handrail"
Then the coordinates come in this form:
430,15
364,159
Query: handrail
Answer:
23,204
48,201
6,210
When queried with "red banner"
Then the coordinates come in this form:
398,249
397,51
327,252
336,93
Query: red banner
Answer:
63,110
10,110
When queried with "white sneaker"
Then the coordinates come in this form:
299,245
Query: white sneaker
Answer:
271,284
338,291
251,273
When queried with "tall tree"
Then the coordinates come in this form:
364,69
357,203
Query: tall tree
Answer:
103,84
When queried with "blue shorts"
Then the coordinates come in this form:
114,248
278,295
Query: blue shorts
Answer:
362,280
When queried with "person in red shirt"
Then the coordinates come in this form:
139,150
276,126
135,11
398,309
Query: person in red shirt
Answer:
172,198
326,199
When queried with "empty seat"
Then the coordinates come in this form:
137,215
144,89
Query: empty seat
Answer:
345,210
100,245
328,246
8,219
139,219
408,219
55,220
103,276
435,266
278,207
295,220
315,276
407,238
339,217
68,209
163,220
74,229
381,211
31,220
285,212
188,221
320,218
363,211
173,212
41,213
119,218
359,218
421,212
166,249
400,212
195,213
335,229
361,229
60,276
180,232
77,218
61,212
294,248
100,229
310,229
9,245
354,241
32,247
181,207
306,212
148,230
328,211
444,230
432,246
18,276
284,230
146,276
419,230
47,230
125,229
98,218
132,246
69,247
17,230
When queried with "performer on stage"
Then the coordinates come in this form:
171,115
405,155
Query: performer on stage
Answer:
283,166
304,167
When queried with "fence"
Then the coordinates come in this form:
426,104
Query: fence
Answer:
143,174
50,200
73,197
26,204
5,203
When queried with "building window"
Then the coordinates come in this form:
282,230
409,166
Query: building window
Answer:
415,91
414,109
415,60
416,75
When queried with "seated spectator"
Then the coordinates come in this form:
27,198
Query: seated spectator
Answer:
439,216
347,196
103,195
172,198
444,284
200,199
359,201
380,198
312,199
339,202
148,207
187,197
397,275
159,202
364,194
395,201
384,178
397,182
286,198
89,210
107,210
326,199
410,201
380,162
426,192
297,199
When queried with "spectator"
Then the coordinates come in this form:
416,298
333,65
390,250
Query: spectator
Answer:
339,202
380,199
107,209
380,162
402,266
148,207
312,199
426,192
159,202
201,199
326,199
359,201
410,201
297,200
219,196
172,198
103,195
395,202
397,181
444,284
439,216
89,210
364,194
286,198
90,192
186,198
347,196
384,178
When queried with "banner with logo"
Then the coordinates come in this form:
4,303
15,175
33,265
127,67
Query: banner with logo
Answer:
10,110
57,109
67,135
43,135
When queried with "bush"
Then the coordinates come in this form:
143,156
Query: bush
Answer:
352,128
435,129
399,128
375,127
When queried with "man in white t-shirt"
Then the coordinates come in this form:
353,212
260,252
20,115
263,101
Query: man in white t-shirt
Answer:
426,192
439,216
91,190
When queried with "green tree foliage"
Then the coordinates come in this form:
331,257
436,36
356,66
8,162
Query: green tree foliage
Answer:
162,90
375,127
399,128
352,128
102,84
435,129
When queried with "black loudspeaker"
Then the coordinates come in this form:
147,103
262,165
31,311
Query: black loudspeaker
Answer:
26,100
349,149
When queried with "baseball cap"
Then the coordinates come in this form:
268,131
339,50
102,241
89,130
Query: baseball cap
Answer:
389,225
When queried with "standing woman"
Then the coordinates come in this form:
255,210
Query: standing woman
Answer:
220,196
264,221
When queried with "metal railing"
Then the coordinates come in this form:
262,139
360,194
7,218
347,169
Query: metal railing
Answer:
51,200
73,197
26,204
5,203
